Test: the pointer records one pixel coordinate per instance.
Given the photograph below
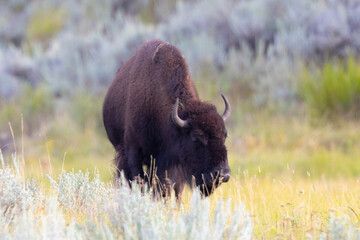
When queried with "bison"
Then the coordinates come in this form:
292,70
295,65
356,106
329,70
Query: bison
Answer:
152,110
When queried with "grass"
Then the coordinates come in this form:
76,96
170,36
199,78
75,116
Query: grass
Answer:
279,208
285,208
298,179
34,106
256,142
334,90
278,143
294,180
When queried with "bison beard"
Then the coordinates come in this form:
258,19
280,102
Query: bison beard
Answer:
152,109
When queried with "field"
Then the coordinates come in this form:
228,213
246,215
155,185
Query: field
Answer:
296,182
291,70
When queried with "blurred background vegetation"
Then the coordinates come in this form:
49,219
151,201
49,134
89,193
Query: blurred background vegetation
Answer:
290,69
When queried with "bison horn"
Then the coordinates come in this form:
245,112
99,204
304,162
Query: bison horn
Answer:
227,111
175,116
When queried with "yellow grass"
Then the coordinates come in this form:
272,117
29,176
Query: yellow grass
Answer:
290,174
291,209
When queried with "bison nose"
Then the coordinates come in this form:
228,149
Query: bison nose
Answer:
225,174
225,177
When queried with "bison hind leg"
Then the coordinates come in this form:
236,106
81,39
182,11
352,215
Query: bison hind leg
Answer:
130,163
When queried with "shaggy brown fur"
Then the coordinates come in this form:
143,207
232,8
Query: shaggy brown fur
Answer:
137,118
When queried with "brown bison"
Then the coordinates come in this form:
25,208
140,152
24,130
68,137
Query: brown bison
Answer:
152,110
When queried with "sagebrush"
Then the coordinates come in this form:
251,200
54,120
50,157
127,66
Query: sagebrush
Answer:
76,207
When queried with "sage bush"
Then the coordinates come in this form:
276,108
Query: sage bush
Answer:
76,207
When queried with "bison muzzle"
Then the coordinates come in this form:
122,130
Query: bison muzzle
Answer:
152,110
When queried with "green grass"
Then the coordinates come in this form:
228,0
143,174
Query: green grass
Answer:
276,144
34,106
334,90
258,141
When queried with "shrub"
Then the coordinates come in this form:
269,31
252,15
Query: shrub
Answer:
89,62
16,68
14,15
263,38
340,228
44,23
156,220
76,207
75,190
15,191
334,90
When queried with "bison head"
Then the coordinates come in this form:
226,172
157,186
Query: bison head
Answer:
202,143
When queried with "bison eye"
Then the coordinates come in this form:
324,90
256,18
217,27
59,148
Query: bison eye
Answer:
203,141
199,138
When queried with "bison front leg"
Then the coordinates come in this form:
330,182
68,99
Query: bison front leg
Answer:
169,186
171,181
161,185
